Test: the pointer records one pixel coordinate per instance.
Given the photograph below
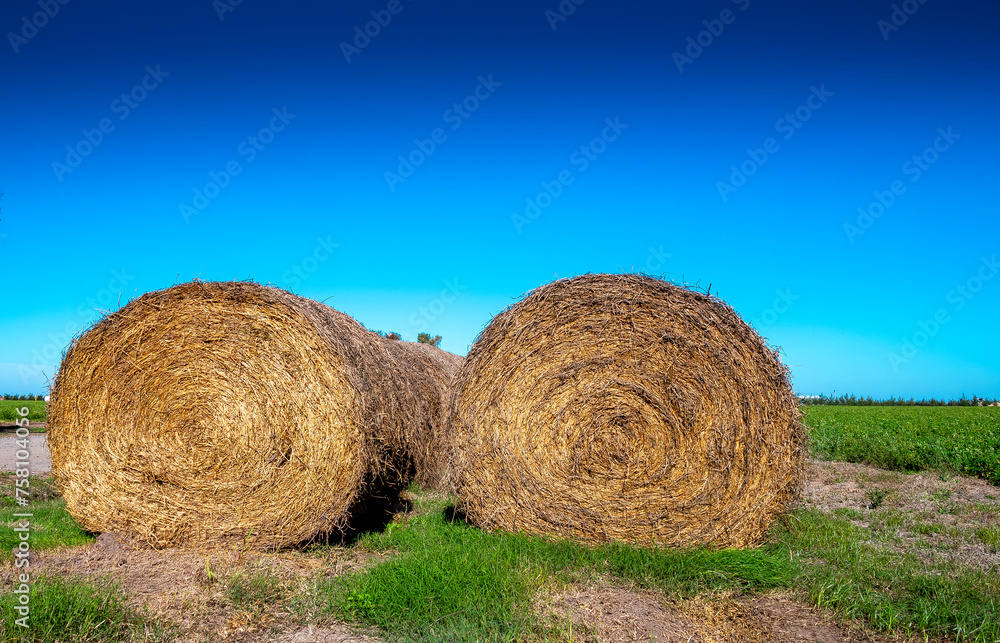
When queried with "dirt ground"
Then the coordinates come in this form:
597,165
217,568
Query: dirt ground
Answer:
617,615
929,514
38,447
189,587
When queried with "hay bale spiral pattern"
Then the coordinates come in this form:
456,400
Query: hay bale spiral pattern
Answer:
625,408
213,413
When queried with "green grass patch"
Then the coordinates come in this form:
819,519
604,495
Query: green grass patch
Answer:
848,513
75,610
846,569
9,410
255,591
448,581
929,529
687,573
38,489
957,439
989,536
50,524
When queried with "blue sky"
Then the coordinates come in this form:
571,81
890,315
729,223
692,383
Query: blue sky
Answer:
830,169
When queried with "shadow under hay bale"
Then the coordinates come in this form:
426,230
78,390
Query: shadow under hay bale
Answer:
371,516
216,413
625,408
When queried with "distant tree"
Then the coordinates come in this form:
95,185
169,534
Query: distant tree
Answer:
425,338
390,335
851,400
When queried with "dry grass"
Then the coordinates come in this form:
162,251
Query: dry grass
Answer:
611,613
625,408
234,413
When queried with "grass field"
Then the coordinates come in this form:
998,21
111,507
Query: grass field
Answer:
889,552
856,563
9,408
51,525
84,611
446,580
951,439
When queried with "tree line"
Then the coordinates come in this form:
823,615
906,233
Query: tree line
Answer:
853,400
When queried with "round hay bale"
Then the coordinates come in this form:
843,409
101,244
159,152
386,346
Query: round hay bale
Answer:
431,371
217,413
625,408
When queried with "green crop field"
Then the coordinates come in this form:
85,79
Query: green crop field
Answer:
953,439
8,410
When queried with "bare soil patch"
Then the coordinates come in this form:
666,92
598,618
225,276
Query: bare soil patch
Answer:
611,614
38,447
833,485
337,633
8,426
940,518
615,614
189,588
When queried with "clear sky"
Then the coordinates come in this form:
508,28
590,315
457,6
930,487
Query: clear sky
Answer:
829,168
